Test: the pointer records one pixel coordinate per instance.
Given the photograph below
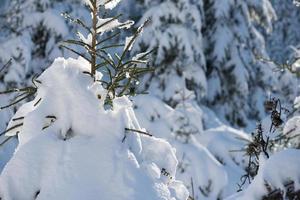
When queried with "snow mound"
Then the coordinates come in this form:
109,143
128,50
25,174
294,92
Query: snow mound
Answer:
226,145
204,176
282,168
70,147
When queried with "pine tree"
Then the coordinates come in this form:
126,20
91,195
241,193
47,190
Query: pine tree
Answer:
30,32
121,75
237,81
228,33
175,33
285,32
68,123
282,42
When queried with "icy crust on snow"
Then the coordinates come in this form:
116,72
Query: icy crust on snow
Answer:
79,154
280,169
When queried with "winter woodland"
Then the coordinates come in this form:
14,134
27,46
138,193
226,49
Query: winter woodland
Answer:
149,100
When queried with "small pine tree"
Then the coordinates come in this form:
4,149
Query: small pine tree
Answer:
121,75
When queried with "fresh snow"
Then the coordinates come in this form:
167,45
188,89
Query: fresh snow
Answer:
80,154
108,4
104,26
207,79
282,168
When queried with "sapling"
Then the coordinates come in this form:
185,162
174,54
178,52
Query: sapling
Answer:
121,75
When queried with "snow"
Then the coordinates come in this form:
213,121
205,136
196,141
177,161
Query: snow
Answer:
51,19
173,32
297,102
108,4
296,66
86,40
197,165
104,26
79,155
128,44
226,144
271,172
292,129
207,79
296,2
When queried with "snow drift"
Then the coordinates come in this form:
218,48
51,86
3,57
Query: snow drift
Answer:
286,170
70,147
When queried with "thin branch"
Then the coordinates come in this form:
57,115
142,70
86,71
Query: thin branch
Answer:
77,53
6,140
138,131
6,65
11,128
108,38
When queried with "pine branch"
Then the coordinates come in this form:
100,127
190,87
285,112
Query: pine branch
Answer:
77,21
15,102
26,89
76,42
16,119
6,65
108,60
77,53
108,38
138,131
111,46
98,66
137,33
11,128
6,140
108,22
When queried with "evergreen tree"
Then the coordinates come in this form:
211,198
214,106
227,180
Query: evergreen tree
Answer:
30,32
84,143
282,43
237,81
175,33
228,77
285,32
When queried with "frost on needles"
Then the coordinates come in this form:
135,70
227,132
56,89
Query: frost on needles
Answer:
79,137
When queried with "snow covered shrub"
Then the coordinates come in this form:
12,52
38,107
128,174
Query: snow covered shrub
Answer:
269,151
72,147
29,33
277,178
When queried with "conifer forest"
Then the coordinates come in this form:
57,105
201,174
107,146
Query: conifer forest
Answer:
149,100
